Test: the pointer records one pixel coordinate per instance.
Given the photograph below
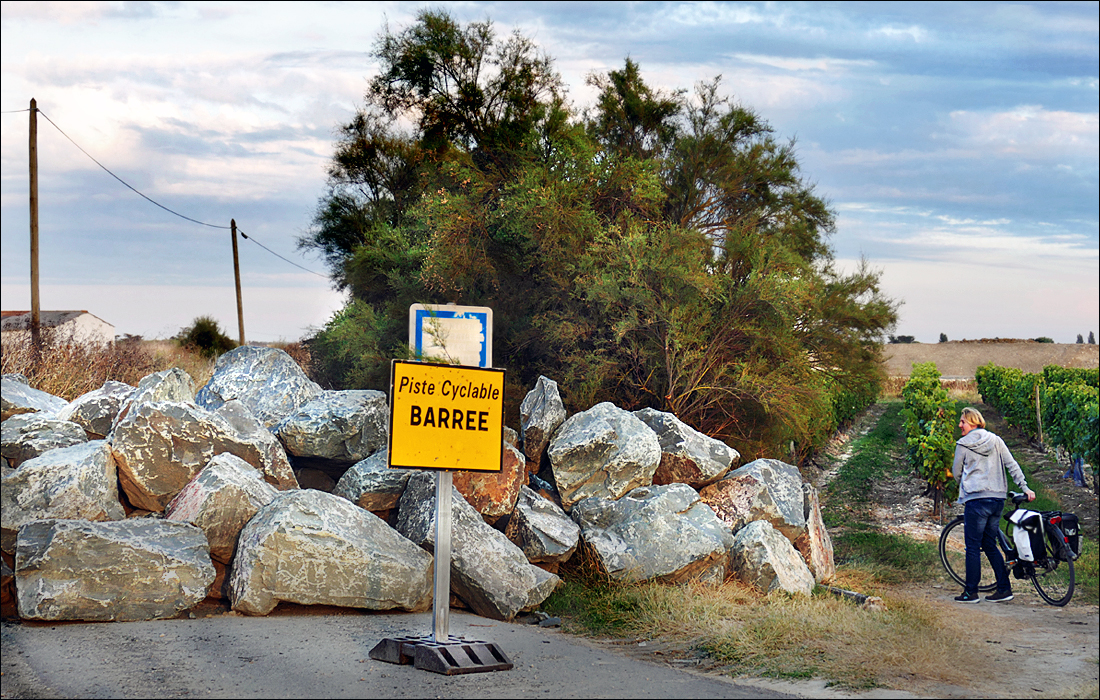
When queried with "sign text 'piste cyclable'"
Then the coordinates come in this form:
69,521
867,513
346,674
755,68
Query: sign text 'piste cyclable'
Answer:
446,417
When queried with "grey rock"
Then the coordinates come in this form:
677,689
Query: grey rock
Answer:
137,569
371,484
345,426
311,547
220,501
162,446
664,533
815,545
488,572
763,557
78,482
174,385
541,412
268,453
541,529
687,456
267,381
16,397
96,410
28,435
764,489
605,452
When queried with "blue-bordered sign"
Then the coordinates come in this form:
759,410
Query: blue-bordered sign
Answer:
449,334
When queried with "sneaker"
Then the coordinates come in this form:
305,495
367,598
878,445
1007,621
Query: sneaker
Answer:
968,598
1000,597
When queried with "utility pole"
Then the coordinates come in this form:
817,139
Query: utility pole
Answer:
36,318
237,278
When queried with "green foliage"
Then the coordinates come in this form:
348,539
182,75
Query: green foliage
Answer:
943,337
661,251
902,339
205,336
930,418
1068,401
1044,339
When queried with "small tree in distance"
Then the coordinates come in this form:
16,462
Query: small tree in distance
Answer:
1080,340
1092,338
943,337
205,336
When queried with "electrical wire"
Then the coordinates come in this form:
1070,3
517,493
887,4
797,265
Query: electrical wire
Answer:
153,201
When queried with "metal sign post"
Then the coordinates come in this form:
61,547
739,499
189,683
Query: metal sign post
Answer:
446,417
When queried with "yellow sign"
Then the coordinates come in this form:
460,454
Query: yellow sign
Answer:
446,417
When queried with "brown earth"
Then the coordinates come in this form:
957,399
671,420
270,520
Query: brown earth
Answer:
959,359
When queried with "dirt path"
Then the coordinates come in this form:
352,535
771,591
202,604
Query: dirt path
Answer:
1034,649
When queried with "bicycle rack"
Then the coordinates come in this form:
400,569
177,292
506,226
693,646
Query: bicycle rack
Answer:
451,658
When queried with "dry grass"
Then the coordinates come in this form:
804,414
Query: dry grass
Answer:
911,644
68,369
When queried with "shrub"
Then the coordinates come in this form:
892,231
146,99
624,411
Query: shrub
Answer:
205,336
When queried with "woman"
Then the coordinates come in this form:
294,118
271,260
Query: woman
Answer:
979,467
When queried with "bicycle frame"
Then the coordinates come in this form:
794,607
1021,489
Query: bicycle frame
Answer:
1051,574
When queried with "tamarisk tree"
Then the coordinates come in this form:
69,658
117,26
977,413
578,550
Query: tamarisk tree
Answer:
660,249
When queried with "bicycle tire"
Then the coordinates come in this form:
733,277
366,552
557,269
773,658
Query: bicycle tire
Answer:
1055,579
953,557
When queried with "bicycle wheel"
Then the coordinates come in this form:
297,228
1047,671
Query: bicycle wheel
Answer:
953,556
1054,578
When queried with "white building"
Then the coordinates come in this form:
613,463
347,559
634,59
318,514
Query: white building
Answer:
79,326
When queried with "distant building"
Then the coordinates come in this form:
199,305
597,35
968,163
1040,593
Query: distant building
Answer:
79,326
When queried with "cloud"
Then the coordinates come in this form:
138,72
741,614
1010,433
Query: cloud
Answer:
1028,131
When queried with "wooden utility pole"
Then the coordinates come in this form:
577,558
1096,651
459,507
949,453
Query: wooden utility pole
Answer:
237,278
36,318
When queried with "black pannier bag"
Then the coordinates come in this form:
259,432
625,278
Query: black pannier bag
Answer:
1072,530
1028,534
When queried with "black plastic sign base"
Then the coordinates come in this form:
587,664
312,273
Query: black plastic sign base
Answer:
451,658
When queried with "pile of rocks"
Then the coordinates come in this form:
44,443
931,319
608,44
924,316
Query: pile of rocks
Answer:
138,502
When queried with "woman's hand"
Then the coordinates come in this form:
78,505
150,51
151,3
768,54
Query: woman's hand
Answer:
1030,494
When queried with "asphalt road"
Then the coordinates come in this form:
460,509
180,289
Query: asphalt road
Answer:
294,654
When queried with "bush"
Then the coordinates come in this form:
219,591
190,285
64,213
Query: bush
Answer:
205,337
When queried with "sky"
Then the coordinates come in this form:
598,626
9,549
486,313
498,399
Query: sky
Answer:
958,144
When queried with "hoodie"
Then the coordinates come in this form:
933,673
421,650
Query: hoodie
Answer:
979,466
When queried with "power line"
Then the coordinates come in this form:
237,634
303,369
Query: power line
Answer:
153,201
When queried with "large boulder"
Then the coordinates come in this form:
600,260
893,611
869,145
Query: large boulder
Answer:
267,381
604,452
162,446
342,426
27,435
488,572
815,545
494,494
372,485
173,384
763,557
542,530
687,456
137,569
79,482
765,489
540,413
664,533
220,501
16,397
96,410
314,548
263,449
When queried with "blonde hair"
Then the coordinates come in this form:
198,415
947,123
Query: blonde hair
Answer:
973,416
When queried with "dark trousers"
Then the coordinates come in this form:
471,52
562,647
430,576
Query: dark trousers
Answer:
980,524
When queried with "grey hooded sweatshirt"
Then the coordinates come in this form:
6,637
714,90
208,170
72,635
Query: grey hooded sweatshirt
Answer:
980,461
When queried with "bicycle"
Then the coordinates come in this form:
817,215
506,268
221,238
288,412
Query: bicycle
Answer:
1051,573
